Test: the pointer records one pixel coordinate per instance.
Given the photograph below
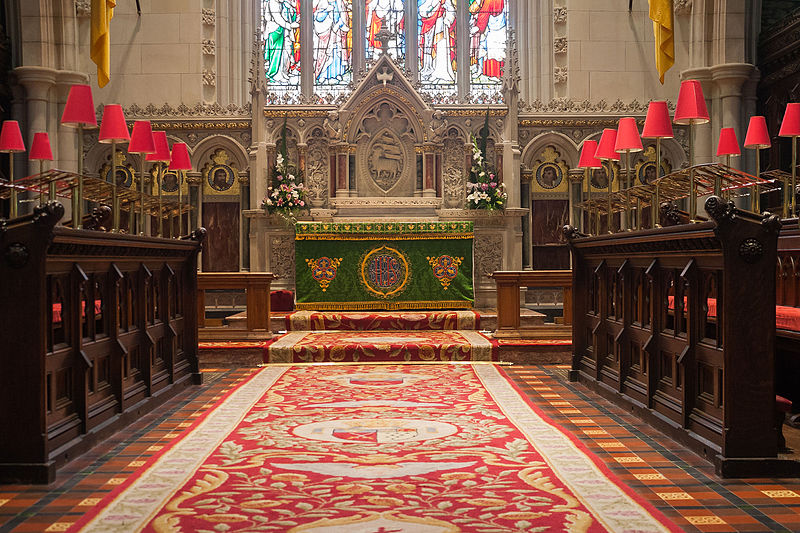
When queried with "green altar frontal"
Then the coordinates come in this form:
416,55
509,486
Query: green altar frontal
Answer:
388,265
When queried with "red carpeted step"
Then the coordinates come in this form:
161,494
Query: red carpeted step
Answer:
380,346
356,321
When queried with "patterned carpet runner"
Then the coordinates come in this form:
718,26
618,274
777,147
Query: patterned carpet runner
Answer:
395,448
380,346
433,320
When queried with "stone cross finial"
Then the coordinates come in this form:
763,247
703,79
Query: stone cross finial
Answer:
384,36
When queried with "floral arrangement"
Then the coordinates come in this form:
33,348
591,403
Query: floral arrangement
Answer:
483,190
287,195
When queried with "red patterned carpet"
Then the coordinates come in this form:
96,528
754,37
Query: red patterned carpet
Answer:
380,346
399,448
432,320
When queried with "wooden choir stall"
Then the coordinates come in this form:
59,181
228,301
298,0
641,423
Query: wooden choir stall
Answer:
97,329
677,324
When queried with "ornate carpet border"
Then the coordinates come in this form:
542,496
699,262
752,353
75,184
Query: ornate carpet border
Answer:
382,305
384,230
229,345
279,350
308,320
170,469
580,469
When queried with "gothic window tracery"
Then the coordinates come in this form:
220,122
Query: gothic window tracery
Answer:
281,33
333,44
488,26
437,43
385,15
426,37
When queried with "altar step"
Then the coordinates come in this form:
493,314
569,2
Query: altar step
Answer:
486,321
380,346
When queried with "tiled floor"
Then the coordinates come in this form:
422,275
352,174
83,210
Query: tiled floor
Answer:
679,483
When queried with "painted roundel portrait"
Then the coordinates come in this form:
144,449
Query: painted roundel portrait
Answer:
648,173
169,183
124,176
549,176
599,178
220,177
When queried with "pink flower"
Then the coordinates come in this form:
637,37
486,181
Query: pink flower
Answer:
484,186
302,203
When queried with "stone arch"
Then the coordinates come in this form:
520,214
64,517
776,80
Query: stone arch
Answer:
205,148
415,116
563,144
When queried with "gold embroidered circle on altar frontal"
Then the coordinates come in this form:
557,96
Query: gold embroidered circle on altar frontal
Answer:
384,271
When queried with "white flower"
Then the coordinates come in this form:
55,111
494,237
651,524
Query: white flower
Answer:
279,159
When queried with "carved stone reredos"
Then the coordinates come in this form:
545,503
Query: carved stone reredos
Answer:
385,82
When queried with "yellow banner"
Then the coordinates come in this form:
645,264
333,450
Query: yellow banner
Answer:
102,11
661,13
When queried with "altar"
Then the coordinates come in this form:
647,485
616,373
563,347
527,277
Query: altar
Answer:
384,265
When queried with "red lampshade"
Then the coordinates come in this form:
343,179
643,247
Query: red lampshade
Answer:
40,147
142,138
628,139
790,127
11,137
605,148
757,134
180,157
657,124
588,159
162,148
691,107
728,143
80,107
113,127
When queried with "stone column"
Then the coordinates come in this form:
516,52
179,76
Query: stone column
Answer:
702,132
306,47
64,140
429,173
747,161
730,79
342,174
302,149
37,82
575,176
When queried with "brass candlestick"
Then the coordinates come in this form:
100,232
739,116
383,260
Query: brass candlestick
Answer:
610,203
114,197
160,201
755,197
587,174
13,213
180,201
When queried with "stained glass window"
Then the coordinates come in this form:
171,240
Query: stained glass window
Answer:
436,27
281,33
385,15
488,20
333,43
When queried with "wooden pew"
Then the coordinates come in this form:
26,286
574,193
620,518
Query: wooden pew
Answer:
787,298
123,339
707,381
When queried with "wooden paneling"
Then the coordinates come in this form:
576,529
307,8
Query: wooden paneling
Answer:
95,332
643,334
221,249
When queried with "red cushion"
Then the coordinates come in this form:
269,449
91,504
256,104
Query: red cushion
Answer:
782,404
281,300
